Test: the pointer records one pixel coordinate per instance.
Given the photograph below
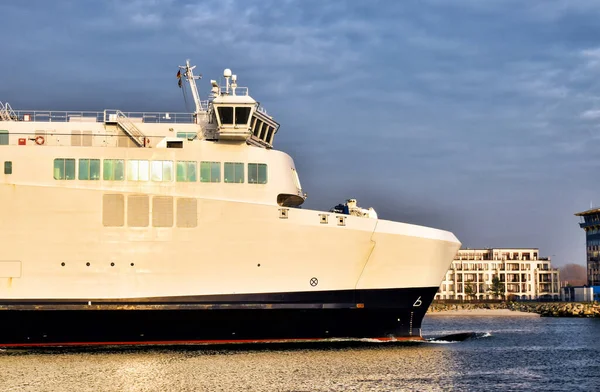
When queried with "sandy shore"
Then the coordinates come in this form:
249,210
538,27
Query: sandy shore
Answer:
483,312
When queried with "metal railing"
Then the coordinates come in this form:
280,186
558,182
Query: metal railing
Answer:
238,90
72,116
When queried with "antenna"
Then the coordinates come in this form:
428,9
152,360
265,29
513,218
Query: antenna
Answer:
233,83
227,75
189,75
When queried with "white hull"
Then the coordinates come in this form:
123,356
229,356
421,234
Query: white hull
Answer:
236,248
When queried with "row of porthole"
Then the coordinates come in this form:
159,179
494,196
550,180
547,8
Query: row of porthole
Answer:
88,264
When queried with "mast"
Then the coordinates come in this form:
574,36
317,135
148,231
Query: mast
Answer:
189,75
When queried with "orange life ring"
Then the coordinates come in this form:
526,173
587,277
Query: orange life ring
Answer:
39,140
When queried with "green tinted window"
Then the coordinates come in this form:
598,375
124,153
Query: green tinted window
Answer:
233,172
114,170
7,167
64,169
3,138
210,171
186,171
89,169
186,135
257,173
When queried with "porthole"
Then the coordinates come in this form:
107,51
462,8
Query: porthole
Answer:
132,264
112,264
87,264
62,264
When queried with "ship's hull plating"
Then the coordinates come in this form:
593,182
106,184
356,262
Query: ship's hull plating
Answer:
387,314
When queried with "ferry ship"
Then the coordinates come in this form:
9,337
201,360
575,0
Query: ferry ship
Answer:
188,228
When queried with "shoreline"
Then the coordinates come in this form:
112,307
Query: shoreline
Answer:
481,313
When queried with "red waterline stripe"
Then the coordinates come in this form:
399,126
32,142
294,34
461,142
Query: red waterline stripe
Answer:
205,342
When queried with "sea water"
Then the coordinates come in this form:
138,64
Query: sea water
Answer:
503,354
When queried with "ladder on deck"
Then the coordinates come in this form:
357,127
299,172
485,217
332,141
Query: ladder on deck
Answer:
6,112
128,127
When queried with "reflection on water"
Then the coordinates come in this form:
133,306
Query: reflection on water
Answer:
508,353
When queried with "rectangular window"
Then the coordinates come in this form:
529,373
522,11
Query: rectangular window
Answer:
137,170
234,172
64,169
3,138
257,173
162,171
89,169
186,171
186,135
225,115
114,170
7,167
241,115
210,171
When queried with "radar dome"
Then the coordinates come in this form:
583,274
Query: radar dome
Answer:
227,73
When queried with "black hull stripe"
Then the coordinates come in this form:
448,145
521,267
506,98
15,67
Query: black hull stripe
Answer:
393,314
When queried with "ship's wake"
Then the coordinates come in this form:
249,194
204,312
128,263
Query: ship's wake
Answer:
458,337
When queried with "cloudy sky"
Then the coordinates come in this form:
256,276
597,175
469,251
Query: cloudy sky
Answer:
480,117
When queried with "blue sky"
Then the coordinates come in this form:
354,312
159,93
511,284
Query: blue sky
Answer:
480,117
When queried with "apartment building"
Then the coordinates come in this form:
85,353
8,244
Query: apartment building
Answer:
523,274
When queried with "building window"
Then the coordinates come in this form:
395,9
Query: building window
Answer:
114,170
210,171
64,169
234,172
257,173
137,170
3,138
8,167
186,171
162,171
89,169
186,135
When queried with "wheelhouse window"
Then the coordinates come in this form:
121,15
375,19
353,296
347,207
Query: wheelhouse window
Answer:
114,170
186,171
137,170
225,115
3,138
210,171
162,171
270,135
234,172
257,173
242,113
64,169
89,169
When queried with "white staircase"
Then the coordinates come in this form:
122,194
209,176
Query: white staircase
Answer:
118,117
6,112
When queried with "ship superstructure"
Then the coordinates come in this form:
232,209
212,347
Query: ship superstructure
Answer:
186,227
